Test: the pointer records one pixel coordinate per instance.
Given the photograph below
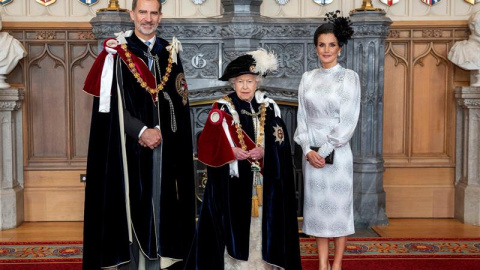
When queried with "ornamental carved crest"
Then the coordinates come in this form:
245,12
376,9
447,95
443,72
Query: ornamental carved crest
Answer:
323,2
46,2
89,2
5,2
389,2
431,2
282,2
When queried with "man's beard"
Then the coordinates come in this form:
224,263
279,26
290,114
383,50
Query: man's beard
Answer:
149,31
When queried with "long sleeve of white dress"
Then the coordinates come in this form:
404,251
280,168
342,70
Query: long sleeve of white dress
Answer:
349,112
341,103
301,133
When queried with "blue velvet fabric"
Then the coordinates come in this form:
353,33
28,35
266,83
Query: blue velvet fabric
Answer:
224,220
105,230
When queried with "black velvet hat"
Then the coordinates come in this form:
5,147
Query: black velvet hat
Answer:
244,64
258,62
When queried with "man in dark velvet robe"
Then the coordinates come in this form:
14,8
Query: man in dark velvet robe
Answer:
231,229
139,197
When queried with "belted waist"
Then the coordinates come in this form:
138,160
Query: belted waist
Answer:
330,121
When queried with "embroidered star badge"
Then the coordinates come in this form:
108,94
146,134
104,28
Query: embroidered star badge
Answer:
278,133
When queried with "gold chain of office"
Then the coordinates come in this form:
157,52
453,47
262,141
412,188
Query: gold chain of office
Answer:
257,196
137,76
261,128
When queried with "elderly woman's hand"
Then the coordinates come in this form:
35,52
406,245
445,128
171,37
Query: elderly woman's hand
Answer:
240,154
257,153
315,159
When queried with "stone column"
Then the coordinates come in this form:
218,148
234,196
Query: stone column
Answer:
107,23
11,158
241,28
467,175
365,55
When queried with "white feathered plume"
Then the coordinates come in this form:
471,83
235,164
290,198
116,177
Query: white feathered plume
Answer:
264,61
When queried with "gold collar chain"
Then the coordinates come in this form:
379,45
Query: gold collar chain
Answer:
261,128
257,192
243,111
136,74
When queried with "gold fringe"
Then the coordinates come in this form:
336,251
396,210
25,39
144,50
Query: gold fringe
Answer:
254,206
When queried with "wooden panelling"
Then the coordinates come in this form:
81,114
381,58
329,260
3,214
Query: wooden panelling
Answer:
395,114
57,112
419,192
54,196
56,115
419,123
45,25
47,103
432,228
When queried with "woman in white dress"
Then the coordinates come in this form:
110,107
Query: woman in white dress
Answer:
328,110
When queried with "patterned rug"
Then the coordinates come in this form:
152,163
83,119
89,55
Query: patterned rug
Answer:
400,248
361,253
398,254
41,255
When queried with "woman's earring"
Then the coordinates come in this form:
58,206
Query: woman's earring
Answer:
339,54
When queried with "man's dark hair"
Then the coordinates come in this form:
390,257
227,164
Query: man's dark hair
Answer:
134,5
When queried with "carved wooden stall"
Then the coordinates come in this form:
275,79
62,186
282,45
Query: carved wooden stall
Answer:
56,116
419,125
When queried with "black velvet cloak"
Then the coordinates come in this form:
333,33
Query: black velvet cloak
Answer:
106,241
226,209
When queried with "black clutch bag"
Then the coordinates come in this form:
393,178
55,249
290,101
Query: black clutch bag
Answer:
329,158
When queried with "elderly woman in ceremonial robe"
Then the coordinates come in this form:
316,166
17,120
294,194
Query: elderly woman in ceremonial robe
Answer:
248,218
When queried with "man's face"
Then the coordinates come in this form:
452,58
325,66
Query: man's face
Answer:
146,17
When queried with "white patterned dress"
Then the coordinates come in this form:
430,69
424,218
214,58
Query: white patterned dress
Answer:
328,110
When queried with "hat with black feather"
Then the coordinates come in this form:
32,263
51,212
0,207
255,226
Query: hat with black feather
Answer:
259,62
340,26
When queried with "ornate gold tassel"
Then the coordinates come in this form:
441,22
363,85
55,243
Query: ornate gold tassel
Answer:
254,206
259,194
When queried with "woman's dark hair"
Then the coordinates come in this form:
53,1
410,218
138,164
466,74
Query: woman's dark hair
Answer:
337,25
326,28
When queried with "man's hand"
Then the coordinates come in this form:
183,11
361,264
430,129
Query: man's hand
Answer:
240,154
151,138
257,153
315,159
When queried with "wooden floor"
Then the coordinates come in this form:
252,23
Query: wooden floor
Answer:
434,228
411,228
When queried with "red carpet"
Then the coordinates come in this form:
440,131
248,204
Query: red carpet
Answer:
402,264
41,255
42,266
400,254
360,254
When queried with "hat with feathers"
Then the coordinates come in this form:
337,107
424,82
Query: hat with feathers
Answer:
342,26
259,62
